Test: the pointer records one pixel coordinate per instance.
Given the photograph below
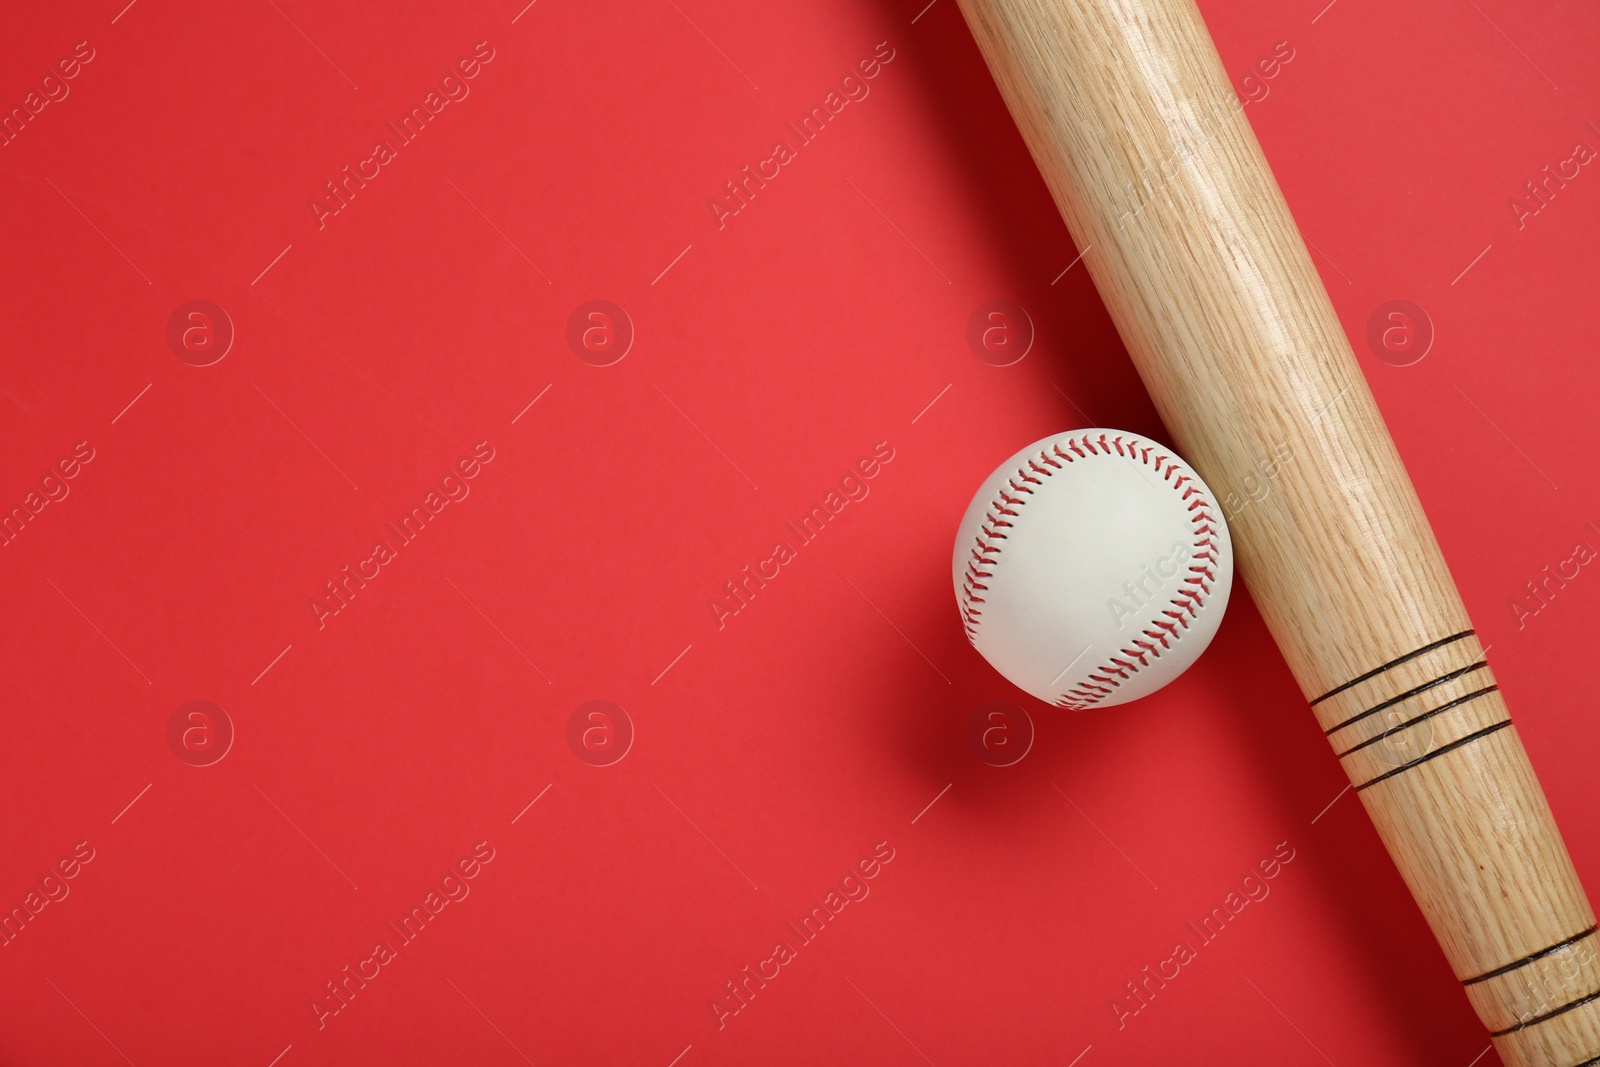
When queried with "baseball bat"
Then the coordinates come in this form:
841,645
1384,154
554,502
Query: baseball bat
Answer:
1133,122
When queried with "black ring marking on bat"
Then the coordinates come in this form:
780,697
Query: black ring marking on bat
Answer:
1397,727
1474,736
1408,694
1393,663
1536,1020
1524,961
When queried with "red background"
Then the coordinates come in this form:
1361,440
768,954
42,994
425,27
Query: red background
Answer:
373,753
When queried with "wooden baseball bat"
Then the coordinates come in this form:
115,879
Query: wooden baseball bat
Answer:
1141,138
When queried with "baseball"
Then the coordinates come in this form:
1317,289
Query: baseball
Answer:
1092,568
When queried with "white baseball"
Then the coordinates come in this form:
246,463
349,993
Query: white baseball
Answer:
1093,568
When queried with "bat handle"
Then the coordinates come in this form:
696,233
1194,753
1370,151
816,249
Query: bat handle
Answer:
1429,747
1142,141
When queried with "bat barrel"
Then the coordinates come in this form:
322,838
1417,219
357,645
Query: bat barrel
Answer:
1137,131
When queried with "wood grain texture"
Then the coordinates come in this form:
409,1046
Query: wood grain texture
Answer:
1132,120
